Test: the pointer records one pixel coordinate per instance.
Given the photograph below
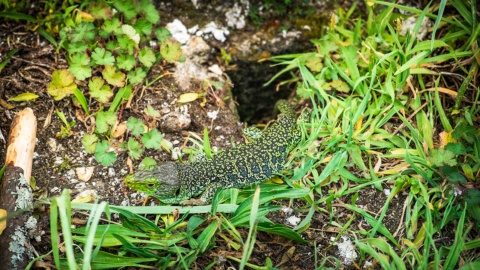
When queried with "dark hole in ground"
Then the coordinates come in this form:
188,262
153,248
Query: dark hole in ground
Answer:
256,101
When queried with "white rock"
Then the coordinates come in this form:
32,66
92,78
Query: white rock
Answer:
84,173
293,220
347,251
178,31
212,114
215,69
235,17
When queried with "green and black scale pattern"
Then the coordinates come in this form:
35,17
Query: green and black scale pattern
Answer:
237,167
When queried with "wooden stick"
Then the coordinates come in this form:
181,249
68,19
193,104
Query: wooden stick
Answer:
16,195
21,142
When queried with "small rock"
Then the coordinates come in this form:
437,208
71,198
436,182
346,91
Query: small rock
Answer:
84,173
287,210
179,31
187,72
52,144
235,17
212,114
176,121
293,220
88,195
197,50
215,69
176,152
347,251
218,33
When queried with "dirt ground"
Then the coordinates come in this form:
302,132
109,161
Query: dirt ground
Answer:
56,159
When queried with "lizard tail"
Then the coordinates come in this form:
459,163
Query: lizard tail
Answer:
285,108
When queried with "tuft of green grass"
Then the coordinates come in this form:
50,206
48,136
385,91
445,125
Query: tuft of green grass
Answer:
383,97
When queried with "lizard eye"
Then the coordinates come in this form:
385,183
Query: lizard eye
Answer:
150,185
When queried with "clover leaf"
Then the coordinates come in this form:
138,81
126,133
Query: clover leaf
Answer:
89,142
152,139
113,77
134,149
79,66
104,120
99,90
170,50
136,76
126,62
136,126
102,57
102,156
62,84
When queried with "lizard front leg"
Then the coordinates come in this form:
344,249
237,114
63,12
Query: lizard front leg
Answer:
206,196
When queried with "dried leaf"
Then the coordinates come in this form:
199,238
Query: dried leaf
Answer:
24,97
3,222
188,97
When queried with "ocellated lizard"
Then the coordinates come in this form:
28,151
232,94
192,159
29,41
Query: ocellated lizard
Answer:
236,167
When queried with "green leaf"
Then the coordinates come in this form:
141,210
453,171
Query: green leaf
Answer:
126,7
80,59
112,45
62,84
103,120
84,30
162,33
170,50
79,66
112,26
113,77
152,139
143,26
314,64
150,111
136,76
439,157
456,148
146,57
17,16
77,47
126,43
134,149
89,142
151,13
102,156
281,230
7,58
121,95
148,164
98,90
81,72
130,32
100,10
24,97
102,57
82,100
341,86
453,174
136,126
126,62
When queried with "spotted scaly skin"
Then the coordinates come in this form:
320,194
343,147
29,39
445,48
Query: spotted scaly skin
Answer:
237,167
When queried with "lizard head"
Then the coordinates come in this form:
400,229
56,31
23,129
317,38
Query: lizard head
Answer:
161,182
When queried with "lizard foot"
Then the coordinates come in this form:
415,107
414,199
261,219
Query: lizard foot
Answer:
192,202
